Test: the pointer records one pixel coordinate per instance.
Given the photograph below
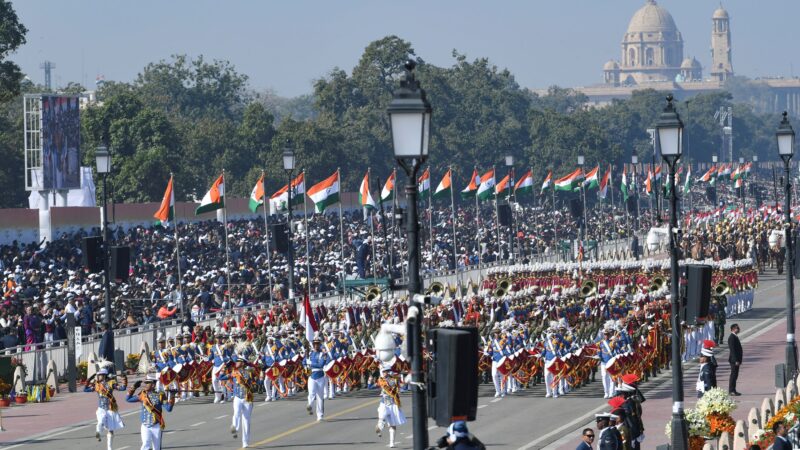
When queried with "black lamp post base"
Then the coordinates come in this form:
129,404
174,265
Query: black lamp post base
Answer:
680,433
791,359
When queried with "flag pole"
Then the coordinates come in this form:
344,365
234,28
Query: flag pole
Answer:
177,244
430,220
225,225
453,218
341,228
478,226
496,216
266,235
371,230
386,249
555,222
308,234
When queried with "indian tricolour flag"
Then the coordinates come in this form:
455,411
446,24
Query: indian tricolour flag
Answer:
687,184
525,184
325,193
364,197
486,187
214,198
547,181
472,187
166,212
445,186
709,177
570,182
257,194
648,183
624,185
279,200
503,188
737,173
388,188
592,178
424,184
604,184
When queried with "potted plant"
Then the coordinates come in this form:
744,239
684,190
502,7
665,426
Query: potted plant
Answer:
21,398
5,389
132,362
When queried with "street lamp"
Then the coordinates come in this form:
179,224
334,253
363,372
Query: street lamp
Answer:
511,199
670,136
103,161
582,228
288,166
785,138
410,119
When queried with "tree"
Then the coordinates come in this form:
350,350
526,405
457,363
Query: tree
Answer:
12,35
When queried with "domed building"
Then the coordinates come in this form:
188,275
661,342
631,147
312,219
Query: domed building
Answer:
652,49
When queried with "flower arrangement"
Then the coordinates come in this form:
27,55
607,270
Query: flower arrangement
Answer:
132,361
698,424
763,439
720,423
83,370
696,442
5,389
716,401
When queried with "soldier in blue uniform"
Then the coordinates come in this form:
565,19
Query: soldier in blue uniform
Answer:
220,355
316,360
245,381
152,414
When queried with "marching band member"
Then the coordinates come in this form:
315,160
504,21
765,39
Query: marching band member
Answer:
221,356
152,413
108,417
552,344
496,353
389,412
245,380
607,353
316,360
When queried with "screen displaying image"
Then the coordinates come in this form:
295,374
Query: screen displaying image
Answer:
61,142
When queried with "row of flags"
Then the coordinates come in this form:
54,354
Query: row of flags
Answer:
484,187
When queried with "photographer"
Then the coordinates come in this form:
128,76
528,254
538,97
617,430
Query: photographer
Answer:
458,437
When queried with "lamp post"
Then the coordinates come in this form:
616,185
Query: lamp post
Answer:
103,161
635,163
755,166
785,138
288,166
410,119
715,159
742,191
511,199
669,134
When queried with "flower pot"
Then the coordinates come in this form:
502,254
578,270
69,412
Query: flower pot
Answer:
20,399
5,402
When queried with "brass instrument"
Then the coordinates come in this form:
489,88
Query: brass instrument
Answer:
588,289
373,292
657,283
503,285
436,288
722,289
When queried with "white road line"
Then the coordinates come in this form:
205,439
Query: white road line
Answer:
432,428
221,417
196,424
123,448
482,406
497,400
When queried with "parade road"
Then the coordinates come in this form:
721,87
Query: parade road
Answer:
525,420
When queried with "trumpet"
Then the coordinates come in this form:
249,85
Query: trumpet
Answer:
436,288
373,292
657,283
503,285
722,289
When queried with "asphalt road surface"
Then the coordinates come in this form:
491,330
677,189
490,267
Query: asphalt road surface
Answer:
519,421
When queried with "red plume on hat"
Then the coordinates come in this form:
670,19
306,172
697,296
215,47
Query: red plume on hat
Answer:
709,344
630,378
616,402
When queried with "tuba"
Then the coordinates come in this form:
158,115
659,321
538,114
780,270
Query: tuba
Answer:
722,289
373,293
657,283
436,289
503,285
588,289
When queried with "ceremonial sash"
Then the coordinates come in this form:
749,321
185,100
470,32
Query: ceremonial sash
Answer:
243,384
391,391
101,389
158,415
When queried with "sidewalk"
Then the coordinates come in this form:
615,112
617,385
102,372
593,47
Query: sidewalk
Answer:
762,349
63,410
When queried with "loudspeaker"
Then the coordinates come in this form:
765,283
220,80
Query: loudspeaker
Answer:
698,291
92,254
453,375
120,263
576,208
504,215
711,194
280,239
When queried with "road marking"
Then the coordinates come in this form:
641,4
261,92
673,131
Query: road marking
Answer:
221,417
482,406
667,378
311,424
123,448
196,424
497,399
432,428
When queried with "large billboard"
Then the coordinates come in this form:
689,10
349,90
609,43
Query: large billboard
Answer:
61,142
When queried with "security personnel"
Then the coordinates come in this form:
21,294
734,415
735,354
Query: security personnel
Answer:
152,414
316,360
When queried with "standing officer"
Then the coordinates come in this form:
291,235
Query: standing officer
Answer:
316,361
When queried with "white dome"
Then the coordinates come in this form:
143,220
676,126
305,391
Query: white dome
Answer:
720,14
652,18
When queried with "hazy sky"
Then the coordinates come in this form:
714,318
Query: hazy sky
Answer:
287,44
